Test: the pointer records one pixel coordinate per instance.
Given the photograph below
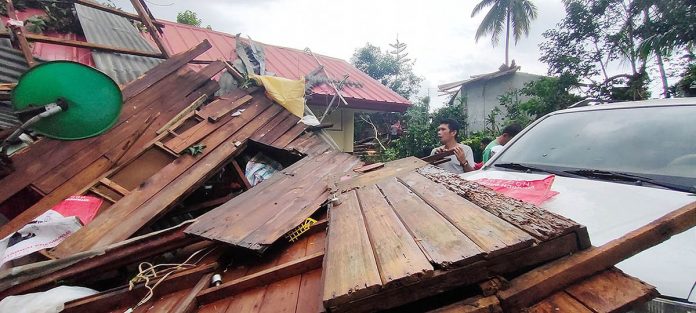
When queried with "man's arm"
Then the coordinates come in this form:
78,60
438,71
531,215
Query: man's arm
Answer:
463,158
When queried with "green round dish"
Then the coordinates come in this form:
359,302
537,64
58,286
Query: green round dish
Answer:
94,99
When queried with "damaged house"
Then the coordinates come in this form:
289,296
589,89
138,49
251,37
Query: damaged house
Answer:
211,193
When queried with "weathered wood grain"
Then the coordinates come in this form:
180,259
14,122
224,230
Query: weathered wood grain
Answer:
476,304
494,235
611,291
559,302
538,283
399,258
442,243
536,221
390,169
350,267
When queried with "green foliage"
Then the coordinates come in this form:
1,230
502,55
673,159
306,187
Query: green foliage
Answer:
686,87
543,96
35,24
419,136
391,68
188,17
59,16
474,142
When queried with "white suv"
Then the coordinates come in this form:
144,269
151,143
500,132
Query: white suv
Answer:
618,167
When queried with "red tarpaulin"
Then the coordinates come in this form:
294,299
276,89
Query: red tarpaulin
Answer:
532,191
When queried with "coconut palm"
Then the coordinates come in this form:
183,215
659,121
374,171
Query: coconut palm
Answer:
515,14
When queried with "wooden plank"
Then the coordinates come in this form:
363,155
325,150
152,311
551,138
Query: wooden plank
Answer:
257,222
271,125
309,299
559,302
131,16
442,242
273,274
289,136
546,224
476,304
87,265
151,29
350,267
171,183
124,132
123,297
390,169
281,129
20,34
494,235
394,297
399,259
217,116
114,186
437,157
493,285
188,304
203,129
367,168
294,206
82,44
189,109
281,296
475,273
163,70
87,175
534,285
611,291
241,174
247,302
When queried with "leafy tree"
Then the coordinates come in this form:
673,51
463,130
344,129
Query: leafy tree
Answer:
188,17
592,36
390,68
515,14
543,96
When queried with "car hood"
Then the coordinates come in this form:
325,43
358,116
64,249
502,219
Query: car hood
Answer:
610,210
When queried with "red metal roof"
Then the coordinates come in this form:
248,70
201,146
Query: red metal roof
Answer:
284,62
289,63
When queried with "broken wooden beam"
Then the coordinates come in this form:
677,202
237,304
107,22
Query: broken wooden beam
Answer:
541,282
81,44
261,278
144,14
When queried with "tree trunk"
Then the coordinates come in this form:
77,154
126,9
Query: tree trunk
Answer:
507,38
663,75
658,56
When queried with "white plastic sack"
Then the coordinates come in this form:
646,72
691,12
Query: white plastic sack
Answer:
50,301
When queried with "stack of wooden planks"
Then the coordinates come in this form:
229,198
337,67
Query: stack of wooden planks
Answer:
150,184
401,236
257,218
55,169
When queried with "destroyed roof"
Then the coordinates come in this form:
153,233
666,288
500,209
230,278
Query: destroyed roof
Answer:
366,93
476,78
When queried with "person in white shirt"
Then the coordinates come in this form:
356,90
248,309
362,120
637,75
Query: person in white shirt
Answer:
463,158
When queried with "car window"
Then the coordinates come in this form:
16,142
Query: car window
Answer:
652,140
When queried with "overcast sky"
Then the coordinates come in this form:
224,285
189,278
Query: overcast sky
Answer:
439,33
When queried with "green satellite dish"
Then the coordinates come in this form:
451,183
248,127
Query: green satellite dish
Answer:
83,101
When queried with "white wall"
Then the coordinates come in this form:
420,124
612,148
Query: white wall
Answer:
482,97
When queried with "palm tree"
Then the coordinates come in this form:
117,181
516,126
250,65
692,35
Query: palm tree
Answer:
513,13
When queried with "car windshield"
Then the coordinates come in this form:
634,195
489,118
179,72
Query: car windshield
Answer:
654,142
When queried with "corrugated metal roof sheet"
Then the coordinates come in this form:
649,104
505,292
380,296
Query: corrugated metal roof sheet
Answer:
12,65
109,29
285,62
